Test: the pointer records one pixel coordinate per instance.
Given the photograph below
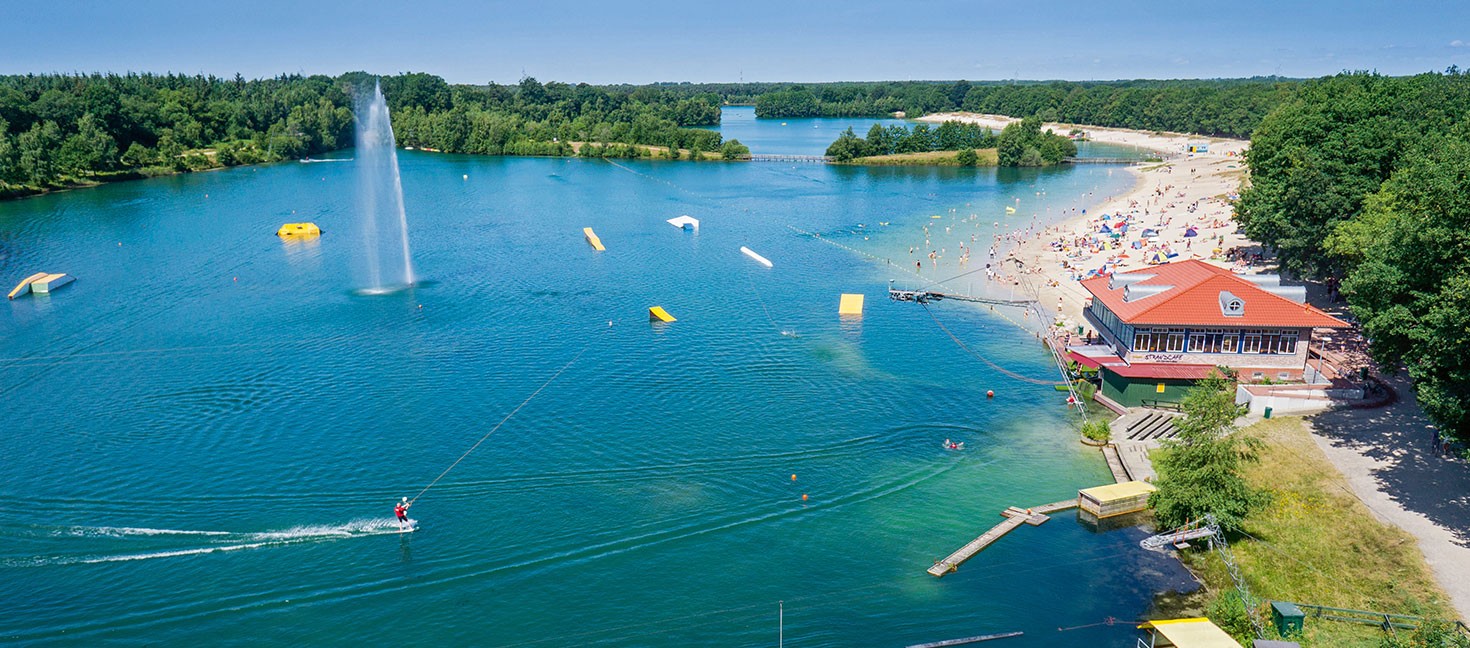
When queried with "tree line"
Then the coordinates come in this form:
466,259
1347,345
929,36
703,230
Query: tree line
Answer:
61,129
1020,143
1218,107
1361,178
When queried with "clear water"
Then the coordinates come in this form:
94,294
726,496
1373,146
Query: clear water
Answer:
205,433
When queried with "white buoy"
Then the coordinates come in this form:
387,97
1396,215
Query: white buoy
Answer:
758,258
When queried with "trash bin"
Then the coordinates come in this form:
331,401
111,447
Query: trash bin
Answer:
1268,412
1288,618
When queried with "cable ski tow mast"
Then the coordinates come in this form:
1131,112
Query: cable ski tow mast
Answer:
1208,529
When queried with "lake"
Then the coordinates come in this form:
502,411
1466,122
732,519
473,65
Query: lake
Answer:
205,434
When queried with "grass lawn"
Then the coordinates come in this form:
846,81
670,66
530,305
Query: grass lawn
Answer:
1316,543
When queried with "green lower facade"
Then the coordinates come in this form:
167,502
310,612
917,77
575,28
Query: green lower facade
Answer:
1138,392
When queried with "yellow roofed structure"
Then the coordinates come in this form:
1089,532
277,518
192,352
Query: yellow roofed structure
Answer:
850,305
1187,633
1118,491
299,229
1115,499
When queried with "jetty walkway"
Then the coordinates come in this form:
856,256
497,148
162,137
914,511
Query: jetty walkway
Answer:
1015,517
763,157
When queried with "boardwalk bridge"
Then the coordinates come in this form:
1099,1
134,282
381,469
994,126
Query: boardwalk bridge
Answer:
766,157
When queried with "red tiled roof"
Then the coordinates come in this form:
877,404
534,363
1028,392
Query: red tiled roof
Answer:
1160,370
1194,299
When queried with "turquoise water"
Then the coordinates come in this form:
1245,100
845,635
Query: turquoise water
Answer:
205,433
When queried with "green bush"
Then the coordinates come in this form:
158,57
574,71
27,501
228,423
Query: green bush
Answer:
1097,430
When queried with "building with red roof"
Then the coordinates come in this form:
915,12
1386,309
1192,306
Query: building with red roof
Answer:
1169,325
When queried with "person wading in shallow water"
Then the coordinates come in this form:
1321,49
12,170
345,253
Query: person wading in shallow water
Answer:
401,510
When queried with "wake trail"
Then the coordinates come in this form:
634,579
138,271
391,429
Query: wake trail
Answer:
221,541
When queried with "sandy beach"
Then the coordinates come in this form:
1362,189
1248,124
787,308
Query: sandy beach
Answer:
1379,452
1169,199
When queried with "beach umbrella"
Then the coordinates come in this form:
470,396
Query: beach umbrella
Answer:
1191,232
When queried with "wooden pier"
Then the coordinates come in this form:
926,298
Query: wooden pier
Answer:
1115,463
1015,516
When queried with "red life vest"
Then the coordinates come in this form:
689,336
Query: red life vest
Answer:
399,509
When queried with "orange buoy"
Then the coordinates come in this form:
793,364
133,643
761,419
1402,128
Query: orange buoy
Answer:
803,497
793,478
990,394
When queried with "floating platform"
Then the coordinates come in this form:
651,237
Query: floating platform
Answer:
658,314
758,258
1015,517
51,282
41,283
299,229
1115,499
592,239
685,223
24,287
850,305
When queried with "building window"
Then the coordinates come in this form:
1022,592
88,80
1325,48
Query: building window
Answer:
1148,340
1287,342
1206,341
1250,341
1230,342
1175,341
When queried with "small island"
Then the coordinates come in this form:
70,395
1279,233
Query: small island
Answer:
954,143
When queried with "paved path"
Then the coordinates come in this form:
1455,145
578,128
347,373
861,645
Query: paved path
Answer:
1386,456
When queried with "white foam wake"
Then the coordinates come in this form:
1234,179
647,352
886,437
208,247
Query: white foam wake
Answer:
220,541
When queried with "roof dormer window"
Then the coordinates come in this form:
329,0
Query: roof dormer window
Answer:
1230,305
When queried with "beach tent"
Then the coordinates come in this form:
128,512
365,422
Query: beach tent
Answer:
1156,258
1150,233
1191,232
1105,230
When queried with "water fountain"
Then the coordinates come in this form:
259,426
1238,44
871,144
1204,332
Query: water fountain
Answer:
380,198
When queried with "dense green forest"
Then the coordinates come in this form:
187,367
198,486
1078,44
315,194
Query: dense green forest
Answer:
1222,107
57,130
1366,178
888,140
1021,143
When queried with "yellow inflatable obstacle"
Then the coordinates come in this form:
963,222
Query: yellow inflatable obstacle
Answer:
658,314
299,229
24,286
850,305
592,239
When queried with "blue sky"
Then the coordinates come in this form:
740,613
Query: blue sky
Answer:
730,40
